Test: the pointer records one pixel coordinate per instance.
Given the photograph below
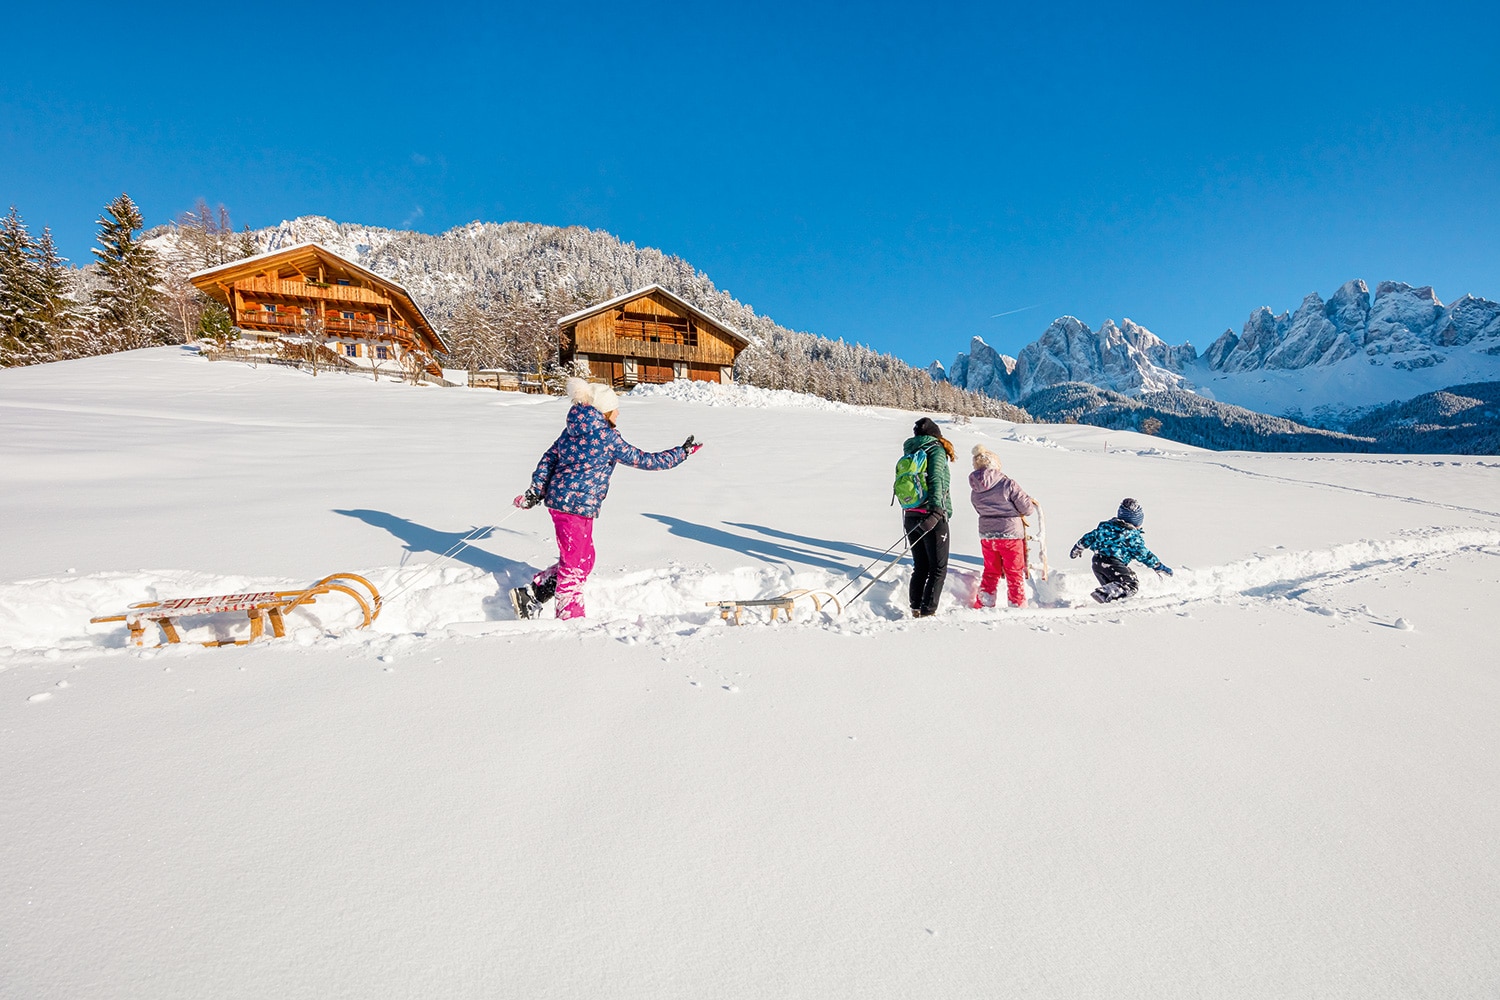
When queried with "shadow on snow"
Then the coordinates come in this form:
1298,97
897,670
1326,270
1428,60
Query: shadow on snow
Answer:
420,539
791,549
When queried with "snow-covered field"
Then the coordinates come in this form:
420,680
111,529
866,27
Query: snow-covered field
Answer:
1273,775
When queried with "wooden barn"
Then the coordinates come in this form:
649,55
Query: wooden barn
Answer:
649,336
307,293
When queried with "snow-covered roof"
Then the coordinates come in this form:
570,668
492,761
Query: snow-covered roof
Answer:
639,293
287,251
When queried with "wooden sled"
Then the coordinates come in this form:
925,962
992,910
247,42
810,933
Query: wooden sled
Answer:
269,605
730,611
1034,546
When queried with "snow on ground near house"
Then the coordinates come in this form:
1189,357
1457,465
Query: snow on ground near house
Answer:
1271,775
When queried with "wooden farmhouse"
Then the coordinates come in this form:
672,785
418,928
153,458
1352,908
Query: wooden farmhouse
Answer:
649,336
309,294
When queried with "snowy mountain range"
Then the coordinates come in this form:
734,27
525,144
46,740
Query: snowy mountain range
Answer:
1327,361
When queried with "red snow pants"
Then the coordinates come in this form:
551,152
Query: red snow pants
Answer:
575,560
1003,557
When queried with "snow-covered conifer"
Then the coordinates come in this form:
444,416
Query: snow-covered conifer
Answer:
22,294
130,303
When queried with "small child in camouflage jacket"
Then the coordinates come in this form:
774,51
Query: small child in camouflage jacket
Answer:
1117,543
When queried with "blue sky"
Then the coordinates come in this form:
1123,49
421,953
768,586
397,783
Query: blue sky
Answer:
896,174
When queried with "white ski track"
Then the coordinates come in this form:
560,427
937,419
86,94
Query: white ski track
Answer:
1317,484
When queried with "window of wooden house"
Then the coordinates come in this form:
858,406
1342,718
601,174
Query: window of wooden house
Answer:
347,315
382,352
269,307
351,350
343,281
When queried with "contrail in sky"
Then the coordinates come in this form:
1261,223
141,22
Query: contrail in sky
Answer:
1012,312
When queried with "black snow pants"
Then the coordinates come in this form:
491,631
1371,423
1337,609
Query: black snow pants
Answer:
929,556
1108,569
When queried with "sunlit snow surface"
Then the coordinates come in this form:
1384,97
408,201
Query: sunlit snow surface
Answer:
1272,774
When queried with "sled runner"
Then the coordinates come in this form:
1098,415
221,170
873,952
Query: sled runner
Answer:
730,611
1036,546
269,605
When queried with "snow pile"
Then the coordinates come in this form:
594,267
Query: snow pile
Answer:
1030,439
734,394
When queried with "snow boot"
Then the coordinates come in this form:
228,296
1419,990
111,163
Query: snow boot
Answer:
528,600
526,605
1111,591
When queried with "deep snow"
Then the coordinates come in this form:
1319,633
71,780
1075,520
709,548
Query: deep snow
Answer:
1271,775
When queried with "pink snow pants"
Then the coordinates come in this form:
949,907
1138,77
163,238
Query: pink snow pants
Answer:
575,560
1003,557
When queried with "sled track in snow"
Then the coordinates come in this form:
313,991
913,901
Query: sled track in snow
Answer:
1319,484
1284,575
664,605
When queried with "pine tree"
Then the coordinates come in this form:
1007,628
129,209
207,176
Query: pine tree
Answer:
214,323
247,245
131,313
22,328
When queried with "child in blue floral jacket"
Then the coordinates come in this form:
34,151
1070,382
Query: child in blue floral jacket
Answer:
572,479
1116,543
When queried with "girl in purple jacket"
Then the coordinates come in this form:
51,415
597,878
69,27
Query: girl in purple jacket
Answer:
572,479
1001,504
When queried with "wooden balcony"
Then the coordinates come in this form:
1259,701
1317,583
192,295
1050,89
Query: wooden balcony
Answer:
333,326
711,353
279,288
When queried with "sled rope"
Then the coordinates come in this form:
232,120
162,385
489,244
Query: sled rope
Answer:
730,610
866,568
452,551
890,565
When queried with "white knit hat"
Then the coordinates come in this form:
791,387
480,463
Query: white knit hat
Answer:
605,400
600,397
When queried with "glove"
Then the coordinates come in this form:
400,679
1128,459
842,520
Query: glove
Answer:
529,499
690,446
1164,570
929,522
1077,551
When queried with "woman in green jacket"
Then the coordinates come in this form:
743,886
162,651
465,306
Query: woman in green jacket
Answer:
927,524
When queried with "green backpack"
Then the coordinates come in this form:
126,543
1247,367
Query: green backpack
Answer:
910,487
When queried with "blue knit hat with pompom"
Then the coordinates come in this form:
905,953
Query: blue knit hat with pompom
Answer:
1132,511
